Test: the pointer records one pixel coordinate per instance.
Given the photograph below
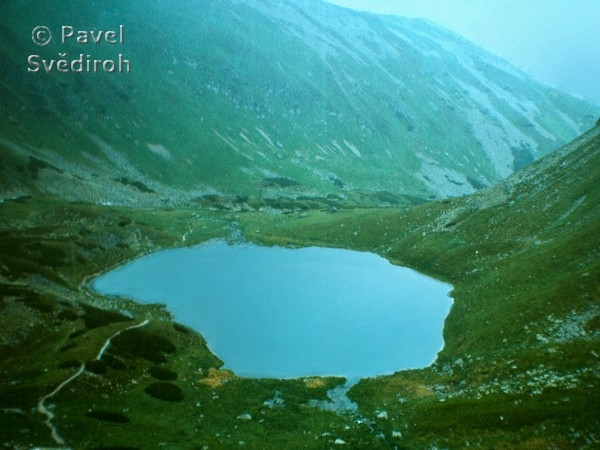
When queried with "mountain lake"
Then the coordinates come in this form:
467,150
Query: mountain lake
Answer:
273,312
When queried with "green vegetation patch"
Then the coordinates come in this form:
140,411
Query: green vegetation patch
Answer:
139,343
180,328
28,297
34,301
160,373
69,364
108,416
113,362
68,314
165,391
16,425
96,366
96,318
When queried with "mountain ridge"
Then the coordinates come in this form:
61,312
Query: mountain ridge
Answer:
233,94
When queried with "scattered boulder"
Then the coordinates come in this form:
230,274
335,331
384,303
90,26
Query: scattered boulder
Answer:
276,401
382,415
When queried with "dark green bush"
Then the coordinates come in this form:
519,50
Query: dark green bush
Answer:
138,343
96,366
77,333
160,373
96,318
113,362
69,364
165,391
108,416
68,347
181,328
124,222
34,301
68,314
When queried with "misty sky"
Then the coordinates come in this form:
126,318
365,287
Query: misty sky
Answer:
555,41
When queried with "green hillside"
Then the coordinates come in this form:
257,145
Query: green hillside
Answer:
519,367
268,99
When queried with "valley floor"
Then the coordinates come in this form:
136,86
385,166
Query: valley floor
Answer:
520,366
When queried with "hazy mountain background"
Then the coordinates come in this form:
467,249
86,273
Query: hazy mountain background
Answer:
267,99
551,40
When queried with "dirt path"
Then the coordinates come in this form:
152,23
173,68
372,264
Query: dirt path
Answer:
41,408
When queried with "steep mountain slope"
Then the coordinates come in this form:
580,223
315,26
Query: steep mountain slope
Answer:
266,99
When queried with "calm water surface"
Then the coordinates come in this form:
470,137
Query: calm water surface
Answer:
276,312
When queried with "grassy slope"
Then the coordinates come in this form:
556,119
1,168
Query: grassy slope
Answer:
49,247
520,365
520,362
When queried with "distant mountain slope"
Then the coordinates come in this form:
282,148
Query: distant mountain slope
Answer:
266,98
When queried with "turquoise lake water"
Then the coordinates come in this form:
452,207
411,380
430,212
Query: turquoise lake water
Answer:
280,313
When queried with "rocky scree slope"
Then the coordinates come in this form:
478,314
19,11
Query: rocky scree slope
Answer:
267,99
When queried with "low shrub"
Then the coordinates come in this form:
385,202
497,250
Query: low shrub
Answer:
96,318
138,343
165,391
69,364
113,362
181,328
108,416
160,373
96,366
